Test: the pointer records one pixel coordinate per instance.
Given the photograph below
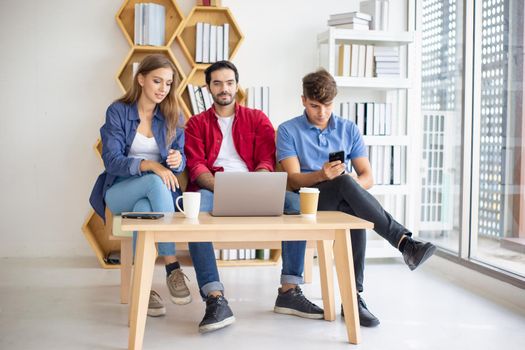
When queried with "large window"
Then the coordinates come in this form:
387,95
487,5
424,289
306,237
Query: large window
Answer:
498,237
473,158
441,105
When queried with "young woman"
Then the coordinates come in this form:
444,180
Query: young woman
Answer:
142,149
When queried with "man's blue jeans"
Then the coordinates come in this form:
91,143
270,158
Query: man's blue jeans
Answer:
203,256
142,193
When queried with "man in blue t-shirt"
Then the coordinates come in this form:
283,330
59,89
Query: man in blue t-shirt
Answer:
303,145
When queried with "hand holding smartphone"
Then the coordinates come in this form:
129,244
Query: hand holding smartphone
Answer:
339,155
149,216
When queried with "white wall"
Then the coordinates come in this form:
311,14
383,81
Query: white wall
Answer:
58,63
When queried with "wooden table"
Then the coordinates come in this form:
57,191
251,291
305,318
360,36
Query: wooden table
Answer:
329,229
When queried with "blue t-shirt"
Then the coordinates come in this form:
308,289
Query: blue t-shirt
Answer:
299,138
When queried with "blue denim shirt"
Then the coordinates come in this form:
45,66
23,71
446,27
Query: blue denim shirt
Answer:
299,138
118,133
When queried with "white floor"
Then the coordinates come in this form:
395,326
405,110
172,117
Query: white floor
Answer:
73,304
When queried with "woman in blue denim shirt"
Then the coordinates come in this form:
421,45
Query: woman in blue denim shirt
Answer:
142,149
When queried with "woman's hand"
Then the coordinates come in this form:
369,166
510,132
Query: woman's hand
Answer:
174,159
167,176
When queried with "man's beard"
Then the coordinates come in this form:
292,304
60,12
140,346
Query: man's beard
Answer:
220,102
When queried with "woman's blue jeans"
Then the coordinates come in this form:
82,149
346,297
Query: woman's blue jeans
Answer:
142,193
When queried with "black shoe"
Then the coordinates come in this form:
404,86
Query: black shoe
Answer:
293,302
366,318
218,315
415,253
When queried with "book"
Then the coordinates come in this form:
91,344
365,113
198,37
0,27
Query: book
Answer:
354,62
369,118
206,43
354,14
220,43
354,26
199,38
361,61
193,100
344,60
372,8
213,43
369,61
335,22
226,42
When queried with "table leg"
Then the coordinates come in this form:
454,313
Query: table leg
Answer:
324,251
143,276
345,275
126,262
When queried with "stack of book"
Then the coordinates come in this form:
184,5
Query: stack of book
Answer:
387,164
371,118
242,254
387,62
259,98
200,98
378,9
356,60
150,22
211,42
350,20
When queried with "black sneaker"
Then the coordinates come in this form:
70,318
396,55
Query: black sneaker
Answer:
218,315
416,252
366,318
293,302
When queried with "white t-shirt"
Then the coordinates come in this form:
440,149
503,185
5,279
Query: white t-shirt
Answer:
228,157
144,148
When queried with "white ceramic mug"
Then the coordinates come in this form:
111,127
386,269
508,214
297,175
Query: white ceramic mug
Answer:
192,204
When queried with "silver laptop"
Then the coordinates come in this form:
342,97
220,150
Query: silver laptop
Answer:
249,194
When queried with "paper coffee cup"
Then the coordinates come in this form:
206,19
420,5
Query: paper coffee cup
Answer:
309,197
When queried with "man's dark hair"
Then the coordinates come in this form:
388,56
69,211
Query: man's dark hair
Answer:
220,65
319,86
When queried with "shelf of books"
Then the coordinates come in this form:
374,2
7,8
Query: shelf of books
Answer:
374,71
154,24
208,34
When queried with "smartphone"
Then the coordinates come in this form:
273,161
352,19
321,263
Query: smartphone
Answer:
339,155
151,216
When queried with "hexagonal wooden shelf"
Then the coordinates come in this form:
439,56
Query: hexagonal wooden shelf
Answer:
137,54
98,239
126,19
212,15
98,148
197,77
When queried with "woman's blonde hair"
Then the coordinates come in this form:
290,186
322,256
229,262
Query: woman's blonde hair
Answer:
170,105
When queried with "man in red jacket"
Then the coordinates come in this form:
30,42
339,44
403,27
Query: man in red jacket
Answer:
228,137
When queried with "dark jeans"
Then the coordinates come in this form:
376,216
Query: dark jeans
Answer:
344,194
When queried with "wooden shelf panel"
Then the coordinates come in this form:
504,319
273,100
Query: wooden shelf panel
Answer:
137,54
371,37
212,15
126,19
197,78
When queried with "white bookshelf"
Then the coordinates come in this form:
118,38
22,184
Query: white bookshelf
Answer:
398,199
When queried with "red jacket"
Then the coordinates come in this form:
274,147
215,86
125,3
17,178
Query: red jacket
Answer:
253,137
